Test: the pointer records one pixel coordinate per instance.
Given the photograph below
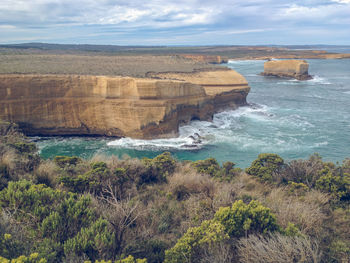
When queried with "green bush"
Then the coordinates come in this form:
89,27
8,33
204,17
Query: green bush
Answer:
129,259
25,147
63,161
153,250
96,241
208,166
32,258
297,188
242,219
157,169
52,216
188,246
9,246
337,185
235,222
266,166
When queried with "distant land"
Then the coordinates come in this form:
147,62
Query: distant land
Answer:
231,52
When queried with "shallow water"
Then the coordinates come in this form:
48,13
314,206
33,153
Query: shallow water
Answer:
288,117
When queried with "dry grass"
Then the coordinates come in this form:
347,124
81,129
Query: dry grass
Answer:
136,66
278,248
47,173
191,183
8,158
307,214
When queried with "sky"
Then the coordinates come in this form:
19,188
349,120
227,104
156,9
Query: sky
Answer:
176,22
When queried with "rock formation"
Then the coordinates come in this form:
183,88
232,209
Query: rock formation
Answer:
287,68
116,106
212,59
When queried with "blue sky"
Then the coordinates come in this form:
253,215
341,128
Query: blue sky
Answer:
175,22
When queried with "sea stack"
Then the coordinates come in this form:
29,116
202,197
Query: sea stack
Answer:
293,68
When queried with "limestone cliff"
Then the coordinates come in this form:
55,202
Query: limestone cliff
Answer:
287,68
116,106
212,59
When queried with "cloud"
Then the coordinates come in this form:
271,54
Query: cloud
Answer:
159,19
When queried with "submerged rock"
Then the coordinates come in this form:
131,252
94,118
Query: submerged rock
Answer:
294,68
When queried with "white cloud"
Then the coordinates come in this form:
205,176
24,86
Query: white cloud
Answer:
342,1
230,17
10,27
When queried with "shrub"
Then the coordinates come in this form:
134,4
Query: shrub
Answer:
303,171
32,258
208,166
234,222
297,188
153,250
63,161
25,147
242,219
266,166
188,246
158,169
340,251
95,241
337,185
91,181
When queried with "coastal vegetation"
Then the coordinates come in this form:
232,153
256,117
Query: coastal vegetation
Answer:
108,209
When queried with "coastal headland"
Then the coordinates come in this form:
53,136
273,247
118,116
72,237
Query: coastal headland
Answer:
138,92
117,106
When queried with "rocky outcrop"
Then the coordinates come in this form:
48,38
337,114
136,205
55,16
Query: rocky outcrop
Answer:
287,69
116,106
212,59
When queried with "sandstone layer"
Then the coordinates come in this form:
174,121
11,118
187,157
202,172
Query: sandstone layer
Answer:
297,69
116,106
212,59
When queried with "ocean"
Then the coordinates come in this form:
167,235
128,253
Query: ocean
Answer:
291,118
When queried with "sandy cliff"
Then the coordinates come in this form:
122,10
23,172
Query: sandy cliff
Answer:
212,59
116,106
287,68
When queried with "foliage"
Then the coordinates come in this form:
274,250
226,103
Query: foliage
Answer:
266,166
297,188
291,230
158,169
53,216
211,167
162,210
337,185
208,233
32,258
153,250
234,222
303,171
242,219
95,241
9,247
63,161
208,166
129,259
25,147
340,250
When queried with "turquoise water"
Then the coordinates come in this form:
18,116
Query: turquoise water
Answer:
288,117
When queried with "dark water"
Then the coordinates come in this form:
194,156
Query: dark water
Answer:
288,117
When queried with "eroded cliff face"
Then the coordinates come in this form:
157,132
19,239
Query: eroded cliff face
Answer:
114,106
287,68
212,59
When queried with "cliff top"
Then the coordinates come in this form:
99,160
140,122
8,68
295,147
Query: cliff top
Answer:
133,66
